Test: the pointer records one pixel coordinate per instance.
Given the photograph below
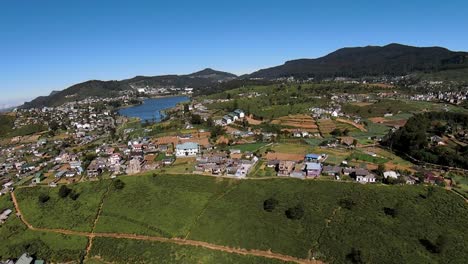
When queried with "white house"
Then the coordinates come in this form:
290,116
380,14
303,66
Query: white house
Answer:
227,120
391,174
369,178
239,113
187,149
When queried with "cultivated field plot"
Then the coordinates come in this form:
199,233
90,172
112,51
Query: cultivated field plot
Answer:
288,151
16,239
109,250
389,122
302,122
63,213
383,224
326,126
161,205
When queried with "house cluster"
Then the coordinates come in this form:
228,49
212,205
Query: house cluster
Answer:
232,117
452,97
323,113
234,164
309,167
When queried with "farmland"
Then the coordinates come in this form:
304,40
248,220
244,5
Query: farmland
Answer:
66,213
122,251
54,247
336,218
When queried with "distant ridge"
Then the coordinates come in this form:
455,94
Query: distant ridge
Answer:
205,78
390,60
393,60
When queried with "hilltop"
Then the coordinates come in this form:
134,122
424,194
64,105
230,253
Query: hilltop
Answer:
356,62
392,60
202,79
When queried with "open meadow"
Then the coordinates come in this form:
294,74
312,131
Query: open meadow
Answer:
383,224
50,246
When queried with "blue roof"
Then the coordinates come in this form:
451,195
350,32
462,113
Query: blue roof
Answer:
312,156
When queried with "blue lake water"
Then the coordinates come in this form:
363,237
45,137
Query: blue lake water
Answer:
151,108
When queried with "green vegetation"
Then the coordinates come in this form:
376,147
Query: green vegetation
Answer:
252,147
49,246
66,212
415,138
380,108
331,220
366,157
6,127
133,251
6,124
169,206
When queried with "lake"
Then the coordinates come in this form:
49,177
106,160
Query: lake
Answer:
151,109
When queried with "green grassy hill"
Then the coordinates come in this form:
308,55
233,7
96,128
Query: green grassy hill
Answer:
340,221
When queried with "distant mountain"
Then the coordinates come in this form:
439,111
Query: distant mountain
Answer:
392,60
210,73
202,79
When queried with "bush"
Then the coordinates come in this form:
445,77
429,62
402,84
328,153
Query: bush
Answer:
74,195
295,213
270,204
118,184
64,191
347,203
390,212
43,198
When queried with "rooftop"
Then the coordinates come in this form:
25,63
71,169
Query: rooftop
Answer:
187,145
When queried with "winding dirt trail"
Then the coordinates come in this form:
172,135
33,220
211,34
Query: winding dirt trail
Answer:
178,241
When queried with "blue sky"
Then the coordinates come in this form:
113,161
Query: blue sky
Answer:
49,45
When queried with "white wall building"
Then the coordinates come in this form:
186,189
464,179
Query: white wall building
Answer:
187,149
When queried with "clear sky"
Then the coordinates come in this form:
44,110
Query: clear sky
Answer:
49,45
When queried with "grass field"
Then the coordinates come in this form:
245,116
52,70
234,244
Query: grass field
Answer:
168,208
252,147
339,219
64,213
131,251
16,239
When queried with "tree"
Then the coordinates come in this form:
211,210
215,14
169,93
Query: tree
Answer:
217,131
196,119
295,213
64,191
43,198
380,169
270,204
53,125
354,256
118,184
186,108
210,122
346,132
336,132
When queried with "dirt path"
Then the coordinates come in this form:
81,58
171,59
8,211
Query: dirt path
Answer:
178,241
349,122
98,214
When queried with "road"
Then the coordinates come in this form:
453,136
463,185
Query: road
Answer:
178,241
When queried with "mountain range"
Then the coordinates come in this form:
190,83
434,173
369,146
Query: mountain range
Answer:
391,60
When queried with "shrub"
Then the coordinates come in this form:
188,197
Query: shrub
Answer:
295,213
390,211
354,256
118,184
74,195
347,203
43,198
64,191
270,204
